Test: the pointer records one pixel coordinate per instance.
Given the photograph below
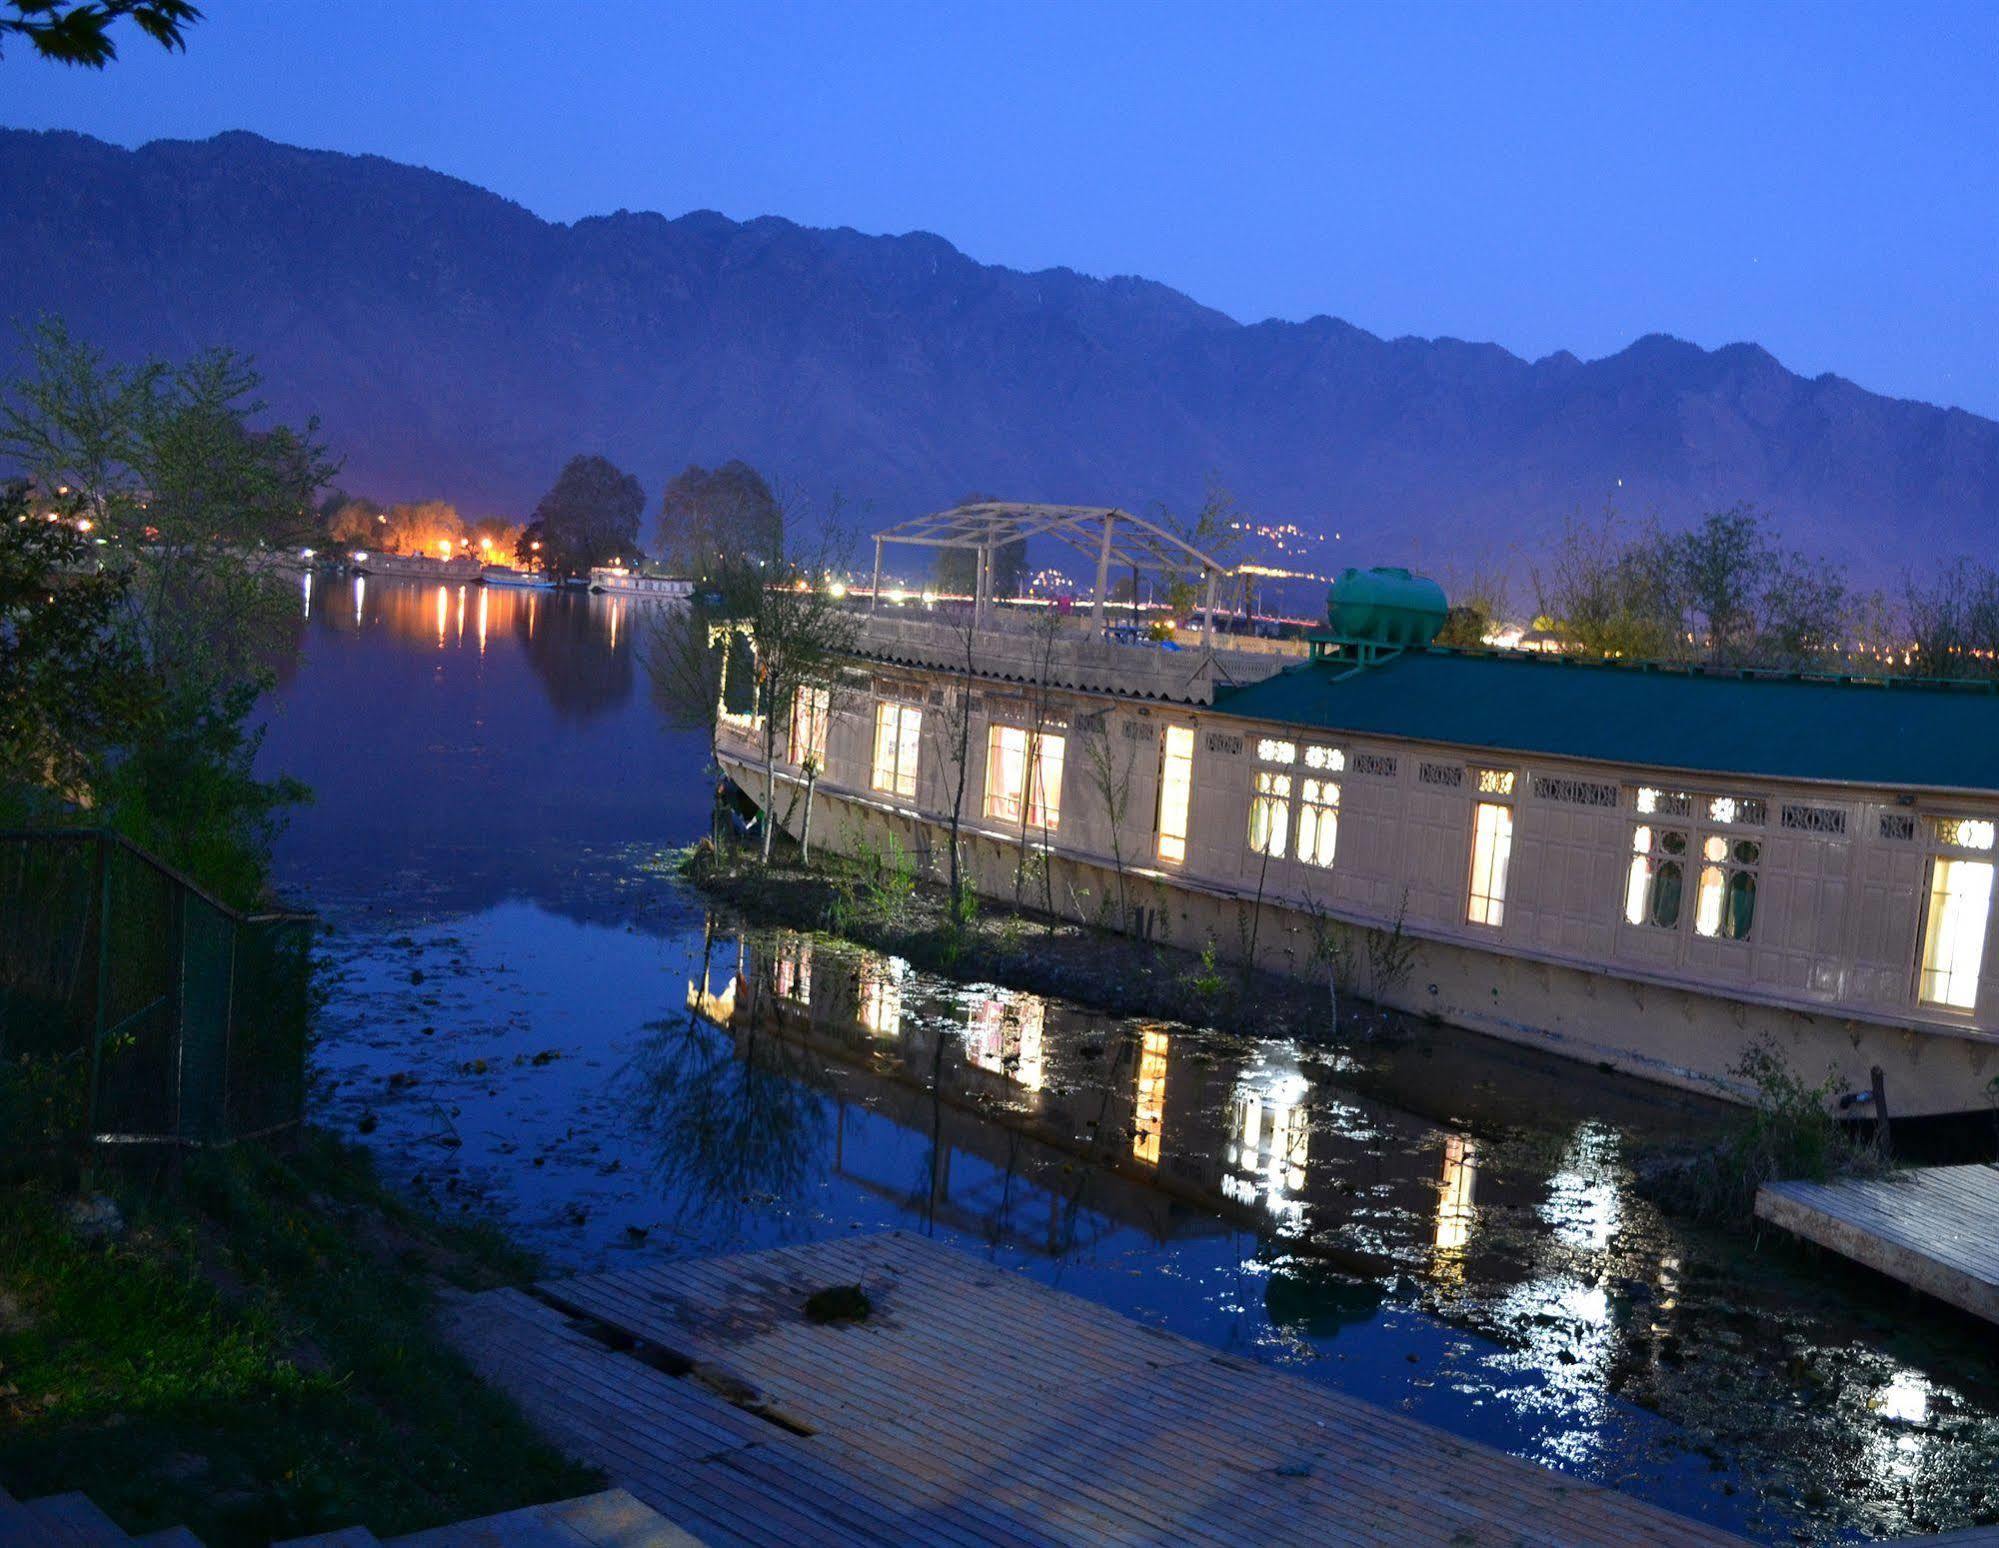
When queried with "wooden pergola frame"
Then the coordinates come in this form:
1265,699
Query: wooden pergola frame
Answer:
1103,533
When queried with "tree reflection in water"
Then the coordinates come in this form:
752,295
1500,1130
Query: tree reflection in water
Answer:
735,1120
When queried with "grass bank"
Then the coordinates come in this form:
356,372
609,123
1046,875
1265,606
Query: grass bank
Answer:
252,1355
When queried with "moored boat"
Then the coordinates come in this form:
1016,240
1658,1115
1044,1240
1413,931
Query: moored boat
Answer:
522,580
413,566
620,581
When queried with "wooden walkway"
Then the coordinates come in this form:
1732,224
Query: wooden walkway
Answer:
1934,1227
978,1407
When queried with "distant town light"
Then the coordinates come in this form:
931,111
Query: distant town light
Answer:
837,590
83,524
358,557
305,553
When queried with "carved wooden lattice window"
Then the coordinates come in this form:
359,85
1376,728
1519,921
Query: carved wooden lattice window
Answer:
1450,776
1380,765
1813,819
1575,792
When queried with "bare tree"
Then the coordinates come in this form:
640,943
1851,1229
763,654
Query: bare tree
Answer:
1953,622
1110,762
958,736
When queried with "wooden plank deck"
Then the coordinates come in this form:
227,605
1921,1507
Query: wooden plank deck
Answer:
1935,1227
978,1407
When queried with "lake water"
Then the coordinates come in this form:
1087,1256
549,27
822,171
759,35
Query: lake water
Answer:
522,1022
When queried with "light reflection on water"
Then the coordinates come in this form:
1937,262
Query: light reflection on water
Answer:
528,1006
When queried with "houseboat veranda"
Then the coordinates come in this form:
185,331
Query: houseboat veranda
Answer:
1647,867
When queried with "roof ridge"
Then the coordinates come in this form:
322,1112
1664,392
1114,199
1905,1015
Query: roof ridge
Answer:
1720,671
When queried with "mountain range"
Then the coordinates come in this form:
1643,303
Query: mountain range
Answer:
455,345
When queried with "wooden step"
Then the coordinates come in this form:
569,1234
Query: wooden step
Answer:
74,1521
169,1537
612,1519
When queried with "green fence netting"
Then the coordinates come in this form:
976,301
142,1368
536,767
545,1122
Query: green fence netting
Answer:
134,1008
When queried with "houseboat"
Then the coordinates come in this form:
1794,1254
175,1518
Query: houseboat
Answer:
413,566
1658,869
619,581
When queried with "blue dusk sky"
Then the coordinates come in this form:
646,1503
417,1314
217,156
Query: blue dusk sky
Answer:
1820,178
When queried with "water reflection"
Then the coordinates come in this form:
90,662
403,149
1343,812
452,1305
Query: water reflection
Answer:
1115,1123
579,645
479,739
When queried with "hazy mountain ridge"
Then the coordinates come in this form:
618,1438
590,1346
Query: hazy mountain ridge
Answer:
457,345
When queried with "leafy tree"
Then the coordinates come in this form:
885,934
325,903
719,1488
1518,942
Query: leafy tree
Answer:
1479,607
771,621
75,688
1609,596
1722,591
78,32
190,502
431,527
707,520
589,517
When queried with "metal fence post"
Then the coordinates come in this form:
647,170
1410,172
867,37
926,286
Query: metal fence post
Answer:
103,997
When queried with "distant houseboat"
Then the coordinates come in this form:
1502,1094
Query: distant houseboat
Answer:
413,566
616,580
1646,867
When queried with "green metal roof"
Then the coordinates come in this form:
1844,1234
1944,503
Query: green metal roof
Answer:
1897,733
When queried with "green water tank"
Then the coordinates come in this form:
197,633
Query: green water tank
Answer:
1386,606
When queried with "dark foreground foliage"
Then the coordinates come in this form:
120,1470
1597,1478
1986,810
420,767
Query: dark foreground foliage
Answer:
253,1356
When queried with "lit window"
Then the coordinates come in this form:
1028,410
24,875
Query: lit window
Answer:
1148,1120
1270,814
1954,932
810,713
1657,876
1318,821
1725,907
739,678
1664,803
1495,782
1271,751
1739,811
881,994
1328,758
898,733
1491,848
1009,752
1962,832
1176,791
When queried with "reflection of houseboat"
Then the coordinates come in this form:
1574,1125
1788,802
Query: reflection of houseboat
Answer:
522,580
617,580
413,566
1653,868
1144,1132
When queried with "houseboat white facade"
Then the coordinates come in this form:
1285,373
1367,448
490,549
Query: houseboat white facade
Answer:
619,581
1649,869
